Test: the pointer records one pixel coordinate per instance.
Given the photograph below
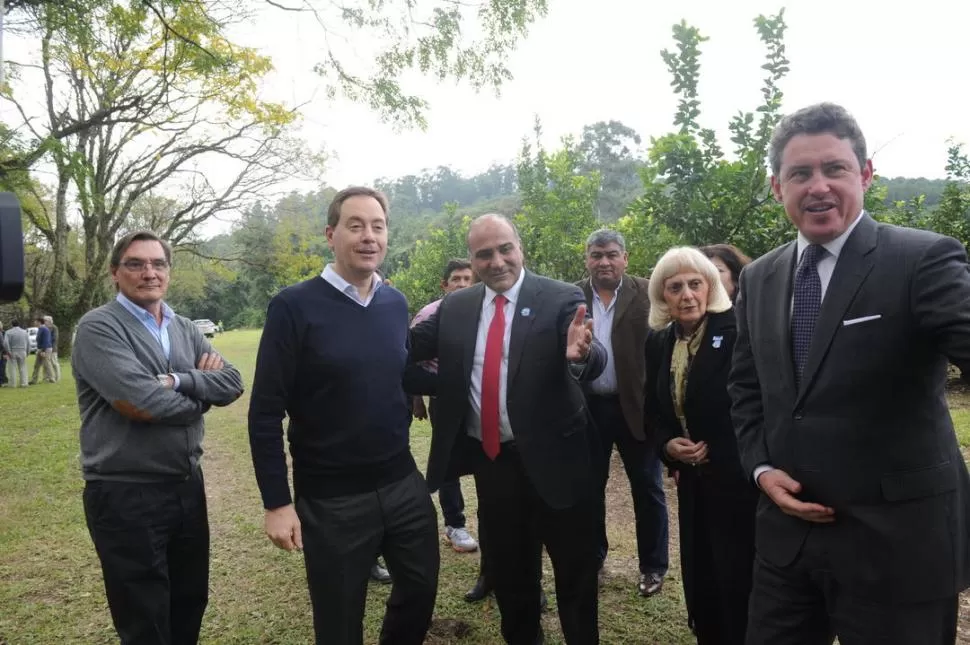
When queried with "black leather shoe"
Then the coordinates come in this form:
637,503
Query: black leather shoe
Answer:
650,584
380,574
480,591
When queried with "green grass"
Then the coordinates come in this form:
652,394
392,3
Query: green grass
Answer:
50,581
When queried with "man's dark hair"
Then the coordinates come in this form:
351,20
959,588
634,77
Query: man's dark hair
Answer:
333,212
455,264
39,319
821,118
137,236
15,323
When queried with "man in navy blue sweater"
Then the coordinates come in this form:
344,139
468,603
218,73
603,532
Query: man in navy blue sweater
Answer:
44,349
332,357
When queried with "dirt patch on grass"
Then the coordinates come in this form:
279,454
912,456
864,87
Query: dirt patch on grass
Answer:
621,562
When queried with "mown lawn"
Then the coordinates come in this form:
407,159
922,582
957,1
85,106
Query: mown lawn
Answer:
50,582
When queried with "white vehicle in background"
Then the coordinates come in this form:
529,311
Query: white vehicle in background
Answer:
32,334
206,326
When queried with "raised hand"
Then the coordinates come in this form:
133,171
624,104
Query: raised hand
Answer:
579,337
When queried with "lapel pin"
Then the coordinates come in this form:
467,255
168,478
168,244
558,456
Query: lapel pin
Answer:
717,342
525,311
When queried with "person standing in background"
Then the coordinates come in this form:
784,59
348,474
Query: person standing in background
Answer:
4,355
18,344
55,364
620,305
42,359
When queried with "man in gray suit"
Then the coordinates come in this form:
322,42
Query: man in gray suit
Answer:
838,403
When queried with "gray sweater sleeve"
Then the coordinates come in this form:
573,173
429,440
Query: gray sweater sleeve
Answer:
104,359
214,387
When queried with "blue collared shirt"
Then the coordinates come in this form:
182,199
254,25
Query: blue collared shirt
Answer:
159,331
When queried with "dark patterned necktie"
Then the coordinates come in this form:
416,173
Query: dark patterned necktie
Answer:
807,302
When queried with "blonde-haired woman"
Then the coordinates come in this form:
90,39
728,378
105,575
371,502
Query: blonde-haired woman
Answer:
688,360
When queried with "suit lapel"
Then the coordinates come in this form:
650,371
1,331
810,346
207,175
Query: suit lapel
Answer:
146,336
521,324
587,287
664,392
623,300
854,264
777,298
470,317
712,348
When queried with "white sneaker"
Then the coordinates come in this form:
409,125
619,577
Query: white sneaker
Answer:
460,540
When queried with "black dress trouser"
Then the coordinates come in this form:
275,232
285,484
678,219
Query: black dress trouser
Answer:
153,543
342,536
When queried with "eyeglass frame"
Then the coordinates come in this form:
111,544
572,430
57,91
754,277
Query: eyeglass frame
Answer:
138,266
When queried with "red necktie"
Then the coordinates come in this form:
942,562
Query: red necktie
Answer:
491,374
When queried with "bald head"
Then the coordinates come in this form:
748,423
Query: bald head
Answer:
495,250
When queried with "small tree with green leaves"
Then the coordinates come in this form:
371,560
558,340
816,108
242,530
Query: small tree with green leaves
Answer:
693,193
420,281
558,208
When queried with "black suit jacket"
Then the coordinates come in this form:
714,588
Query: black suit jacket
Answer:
869,432
628,337
546,406
707,405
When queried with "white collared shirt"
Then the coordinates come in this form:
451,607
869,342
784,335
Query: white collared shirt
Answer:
349,290
478,364
826,264
605,383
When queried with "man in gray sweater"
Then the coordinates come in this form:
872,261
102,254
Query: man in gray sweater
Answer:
145,377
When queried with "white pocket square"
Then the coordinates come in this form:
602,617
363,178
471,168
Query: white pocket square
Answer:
856,321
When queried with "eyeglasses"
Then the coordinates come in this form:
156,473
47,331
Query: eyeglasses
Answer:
138,266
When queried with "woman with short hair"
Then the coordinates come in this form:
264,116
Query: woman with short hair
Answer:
689,354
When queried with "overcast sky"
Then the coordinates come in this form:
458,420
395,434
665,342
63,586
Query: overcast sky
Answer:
899,69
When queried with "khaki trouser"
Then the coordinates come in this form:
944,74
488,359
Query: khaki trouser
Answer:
55,365
17,368
43,359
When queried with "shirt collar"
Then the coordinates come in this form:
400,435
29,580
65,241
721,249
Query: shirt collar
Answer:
141,312
835,246
511,294
596,293
330,275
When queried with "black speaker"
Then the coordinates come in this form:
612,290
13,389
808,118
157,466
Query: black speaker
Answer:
11,249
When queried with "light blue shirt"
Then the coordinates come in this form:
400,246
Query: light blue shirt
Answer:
605,383
158,331
349,290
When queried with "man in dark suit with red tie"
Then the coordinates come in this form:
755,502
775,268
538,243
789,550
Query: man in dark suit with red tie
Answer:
863,531
512,352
